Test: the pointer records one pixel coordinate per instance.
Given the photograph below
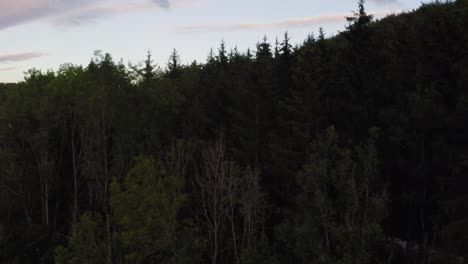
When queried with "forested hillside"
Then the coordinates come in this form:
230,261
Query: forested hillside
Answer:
348,149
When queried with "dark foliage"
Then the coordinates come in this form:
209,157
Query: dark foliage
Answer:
349,149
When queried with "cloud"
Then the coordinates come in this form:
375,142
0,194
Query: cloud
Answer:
71,12
96,11
15,57
285,23
9,69
163,3
16,12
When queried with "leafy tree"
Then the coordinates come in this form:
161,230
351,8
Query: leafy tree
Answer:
86,244
340,206
146,209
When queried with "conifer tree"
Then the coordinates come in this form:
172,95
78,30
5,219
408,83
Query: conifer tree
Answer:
174,65
148,70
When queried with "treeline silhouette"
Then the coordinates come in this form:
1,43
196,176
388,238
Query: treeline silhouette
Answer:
348,149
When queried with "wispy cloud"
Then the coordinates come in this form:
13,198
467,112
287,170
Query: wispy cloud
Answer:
285,23
96,11
163,3
15,57
9,69
72,12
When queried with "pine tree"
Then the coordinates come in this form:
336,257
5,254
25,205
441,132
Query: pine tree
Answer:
360,20
174,68
148,72
222,54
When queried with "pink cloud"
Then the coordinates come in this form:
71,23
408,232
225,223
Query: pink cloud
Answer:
91,13
19,5
20,56
286,23
72,12
9,69
16,12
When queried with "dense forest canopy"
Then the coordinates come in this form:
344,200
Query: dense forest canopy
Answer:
349,149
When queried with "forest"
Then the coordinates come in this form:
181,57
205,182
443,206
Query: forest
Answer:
351,148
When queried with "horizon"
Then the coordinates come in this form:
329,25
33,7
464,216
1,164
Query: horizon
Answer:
44,34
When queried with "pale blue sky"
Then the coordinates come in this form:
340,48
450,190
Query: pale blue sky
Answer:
44,34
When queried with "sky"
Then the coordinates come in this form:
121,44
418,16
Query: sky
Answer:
45,34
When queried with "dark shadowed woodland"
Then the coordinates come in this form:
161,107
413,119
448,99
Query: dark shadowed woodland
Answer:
345,149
